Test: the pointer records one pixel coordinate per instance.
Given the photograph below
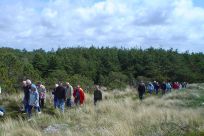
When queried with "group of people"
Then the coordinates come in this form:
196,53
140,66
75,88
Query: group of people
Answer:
152,87
34,96
63,94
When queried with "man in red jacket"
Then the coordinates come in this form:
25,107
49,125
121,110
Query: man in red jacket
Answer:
79,95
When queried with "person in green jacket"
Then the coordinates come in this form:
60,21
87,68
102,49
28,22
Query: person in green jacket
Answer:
69,94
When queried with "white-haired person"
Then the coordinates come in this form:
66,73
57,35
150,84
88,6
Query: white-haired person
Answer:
69,94
26,90
55,98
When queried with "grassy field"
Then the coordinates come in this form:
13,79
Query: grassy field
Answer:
180,113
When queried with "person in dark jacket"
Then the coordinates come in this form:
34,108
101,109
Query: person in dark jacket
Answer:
141,90
156,87
97,94
60,95
26,90
163,88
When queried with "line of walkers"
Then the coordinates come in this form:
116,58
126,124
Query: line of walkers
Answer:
154,87
64,94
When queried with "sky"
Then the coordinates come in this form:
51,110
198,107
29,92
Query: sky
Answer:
47,24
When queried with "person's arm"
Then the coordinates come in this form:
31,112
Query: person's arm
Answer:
36,99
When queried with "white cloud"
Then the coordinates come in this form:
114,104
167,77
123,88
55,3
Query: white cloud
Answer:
34,24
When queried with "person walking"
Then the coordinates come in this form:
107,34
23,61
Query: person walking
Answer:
33,100
141,90
79,95
168,87
163,88
97,94
150,88
69,94
156,87
55,98
42,94
26,96
60,96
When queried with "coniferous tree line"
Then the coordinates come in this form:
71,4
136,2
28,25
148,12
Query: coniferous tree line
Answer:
110,67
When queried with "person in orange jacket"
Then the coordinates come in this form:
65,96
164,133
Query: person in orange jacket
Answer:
79,95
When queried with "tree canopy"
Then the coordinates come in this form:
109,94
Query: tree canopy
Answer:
111,67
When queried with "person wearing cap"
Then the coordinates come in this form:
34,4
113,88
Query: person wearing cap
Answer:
141,90
33,100
69,93
97,94
60,96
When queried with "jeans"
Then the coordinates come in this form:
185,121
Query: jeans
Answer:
41,102
157,91
77,101
26,106
30,107
69,102
60,104
2,110
95,101
141,95
150,91
55,102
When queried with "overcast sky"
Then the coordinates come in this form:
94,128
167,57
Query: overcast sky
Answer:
47,24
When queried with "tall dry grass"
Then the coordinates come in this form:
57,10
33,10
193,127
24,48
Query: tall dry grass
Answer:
119,114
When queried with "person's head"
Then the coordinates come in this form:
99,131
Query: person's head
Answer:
78,86
33,88
56,85
67,83
24,83
39,84
42,86
97,87
28,82
60,83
